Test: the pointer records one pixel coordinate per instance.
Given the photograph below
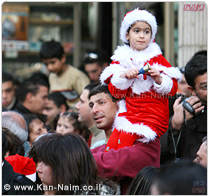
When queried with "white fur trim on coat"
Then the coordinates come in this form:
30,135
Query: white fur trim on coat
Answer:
173,72
134,16
130,58
166,85
121,83
117,81
122,124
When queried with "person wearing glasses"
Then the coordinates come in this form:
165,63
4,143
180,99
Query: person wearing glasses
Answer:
94,63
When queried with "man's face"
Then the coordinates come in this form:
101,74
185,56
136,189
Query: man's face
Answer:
8,93
103,110
38,101
93,70
201,155
83,108
55,65
51,111
201,88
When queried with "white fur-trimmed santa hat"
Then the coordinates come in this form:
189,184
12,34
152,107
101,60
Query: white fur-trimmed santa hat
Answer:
134,16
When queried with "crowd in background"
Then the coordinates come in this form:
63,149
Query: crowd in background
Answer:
55,129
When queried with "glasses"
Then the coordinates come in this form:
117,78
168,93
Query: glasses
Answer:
91,56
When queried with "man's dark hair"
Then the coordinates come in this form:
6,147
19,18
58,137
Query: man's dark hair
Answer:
182,178
91,86
99,57
14,144
51,49
196,66
201,52
30,85
39,75
101,89
58,99
7,77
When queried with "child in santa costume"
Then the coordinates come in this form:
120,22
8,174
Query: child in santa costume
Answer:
143,110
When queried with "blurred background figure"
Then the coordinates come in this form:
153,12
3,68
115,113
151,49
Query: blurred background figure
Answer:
9,177
55,104
183,85
16,123
68,123
64,78
97,137
14,144
181,178
94,63
35,126
201,155
32,95
143,180
9,85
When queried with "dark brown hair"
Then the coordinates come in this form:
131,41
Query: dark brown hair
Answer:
69,157
15,145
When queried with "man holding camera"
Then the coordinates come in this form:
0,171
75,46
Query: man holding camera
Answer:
188,125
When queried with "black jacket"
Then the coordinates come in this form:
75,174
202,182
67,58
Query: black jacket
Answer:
10,180
24,111
192,135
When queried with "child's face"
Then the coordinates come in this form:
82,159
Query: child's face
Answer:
55,65
139,35
37,129
64,125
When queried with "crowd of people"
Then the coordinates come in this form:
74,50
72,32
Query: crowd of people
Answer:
108,128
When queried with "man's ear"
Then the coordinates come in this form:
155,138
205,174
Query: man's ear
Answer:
192,90
7,154
29,97
63,59
62,108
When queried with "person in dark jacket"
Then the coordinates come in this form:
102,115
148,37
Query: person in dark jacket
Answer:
9,85
32,95
188,125
11,181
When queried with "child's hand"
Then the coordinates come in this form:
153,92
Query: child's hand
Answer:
155,74
130,74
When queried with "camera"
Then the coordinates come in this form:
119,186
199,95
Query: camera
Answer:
188,106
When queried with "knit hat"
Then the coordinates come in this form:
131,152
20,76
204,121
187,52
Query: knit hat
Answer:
134,16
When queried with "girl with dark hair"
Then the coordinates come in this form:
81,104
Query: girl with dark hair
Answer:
68,123
66,166
142,182
36,127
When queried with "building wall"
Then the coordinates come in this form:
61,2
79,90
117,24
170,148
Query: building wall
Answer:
192,30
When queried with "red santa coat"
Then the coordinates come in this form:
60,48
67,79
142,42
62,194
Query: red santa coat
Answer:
144,106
